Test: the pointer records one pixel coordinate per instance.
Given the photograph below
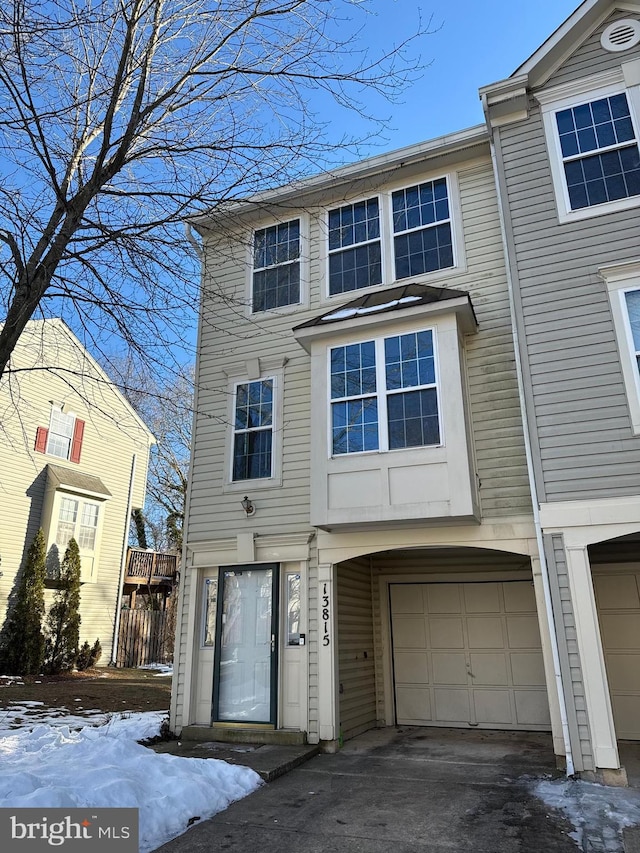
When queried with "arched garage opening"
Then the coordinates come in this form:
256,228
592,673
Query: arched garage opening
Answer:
439,637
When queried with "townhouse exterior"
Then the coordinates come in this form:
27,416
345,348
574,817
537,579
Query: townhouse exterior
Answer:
565,137
73,461
415,438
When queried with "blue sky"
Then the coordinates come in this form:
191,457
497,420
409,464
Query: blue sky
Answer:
475,42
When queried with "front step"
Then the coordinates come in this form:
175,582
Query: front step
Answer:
230,734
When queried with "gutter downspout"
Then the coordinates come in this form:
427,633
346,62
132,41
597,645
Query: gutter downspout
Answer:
123,563
562,701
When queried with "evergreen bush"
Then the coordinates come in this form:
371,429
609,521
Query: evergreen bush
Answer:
63,621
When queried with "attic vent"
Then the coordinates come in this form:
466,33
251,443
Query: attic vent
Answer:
621,35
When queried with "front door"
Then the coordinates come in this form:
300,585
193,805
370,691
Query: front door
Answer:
245,667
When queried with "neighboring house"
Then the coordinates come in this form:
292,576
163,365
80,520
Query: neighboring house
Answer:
566,129
372,538
73,461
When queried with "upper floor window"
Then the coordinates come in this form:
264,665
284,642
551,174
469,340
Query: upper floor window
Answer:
384,394
276,266
355,256
253,430
422,228
599,151
63,437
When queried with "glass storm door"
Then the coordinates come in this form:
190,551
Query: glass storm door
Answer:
244,683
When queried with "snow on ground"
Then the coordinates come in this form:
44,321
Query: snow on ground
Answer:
589,806
51,758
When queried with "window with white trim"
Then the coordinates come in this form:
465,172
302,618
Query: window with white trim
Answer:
355,253
632,304
599,149
276,266
253,430
63,437
422,235
77,519
384,394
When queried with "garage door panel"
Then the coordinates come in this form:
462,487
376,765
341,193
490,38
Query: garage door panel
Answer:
482,598
481,650
493,706
523,632
621,631
413,705
449,668
485,632
532,708
410,633
407,598
617,592
619,616
519,597
412,667
527,668
443,598
489,669
451,705
446,633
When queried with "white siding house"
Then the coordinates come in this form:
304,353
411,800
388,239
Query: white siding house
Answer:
73,461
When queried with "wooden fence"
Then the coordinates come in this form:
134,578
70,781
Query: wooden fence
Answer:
144,638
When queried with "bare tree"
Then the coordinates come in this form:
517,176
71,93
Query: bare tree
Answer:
119,118
167,409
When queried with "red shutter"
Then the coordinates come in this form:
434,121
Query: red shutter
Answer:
76,442
42,433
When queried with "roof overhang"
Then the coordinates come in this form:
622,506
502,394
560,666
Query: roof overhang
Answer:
77,483
372,311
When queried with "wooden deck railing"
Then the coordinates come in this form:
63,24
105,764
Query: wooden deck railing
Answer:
150,567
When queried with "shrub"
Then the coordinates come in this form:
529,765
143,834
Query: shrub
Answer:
63,621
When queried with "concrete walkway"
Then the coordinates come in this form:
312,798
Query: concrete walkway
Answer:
402,790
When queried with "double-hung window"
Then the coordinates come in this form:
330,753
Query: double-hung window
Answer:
422,238
384,394
599,151
355,257
632,303
253,430
77,520
63,437
276,266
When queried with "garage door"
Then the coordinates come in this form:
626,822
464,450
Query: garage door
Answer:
618,600
468,654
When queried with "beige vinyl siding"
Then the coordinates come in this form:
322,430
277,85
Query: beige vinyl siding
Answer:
581,413
187,590
357,685
112,435
591,58
228,335
565,619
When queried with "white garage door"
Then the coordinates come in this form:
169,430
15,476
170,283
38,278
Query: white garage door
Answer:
468,654
618,599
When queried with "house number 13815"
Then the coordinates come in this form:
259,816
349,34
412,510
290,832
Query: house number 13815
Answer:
325,616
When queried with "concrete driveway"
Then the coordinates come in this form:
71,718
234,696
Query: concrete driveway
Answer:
406,790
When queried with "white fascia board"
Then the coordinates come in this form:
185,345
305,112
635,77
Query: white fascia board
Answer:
294,192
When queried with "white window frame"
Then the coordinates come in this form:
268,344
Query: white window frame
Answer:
303,265
620,279
625,80
52,436
455,223
382,394
383,246
255,370
269,428
81,503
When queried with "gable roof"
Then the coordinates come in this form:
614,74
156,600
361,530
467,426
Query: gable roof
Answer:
553,52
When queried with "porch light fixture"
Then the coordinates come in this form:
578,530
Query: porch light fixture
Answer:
247,506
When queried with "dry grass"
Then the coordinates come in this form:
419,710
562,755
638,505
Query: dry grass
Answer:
105,688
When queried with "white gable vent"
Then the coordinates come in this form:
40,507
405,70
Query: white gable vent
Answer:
621,35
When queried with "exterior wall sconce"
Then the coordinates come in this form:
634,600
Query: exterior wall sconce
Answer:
247,506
